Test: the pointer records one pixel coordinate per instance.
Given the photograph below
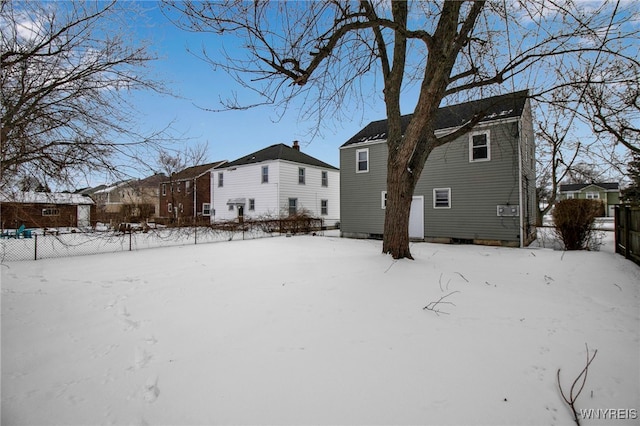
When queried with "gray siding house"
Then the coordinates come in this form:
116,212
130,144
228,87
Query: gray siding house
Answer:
479,188
607,192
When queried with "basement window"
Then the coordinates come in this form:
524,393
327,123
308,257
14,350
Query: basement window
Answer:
442,198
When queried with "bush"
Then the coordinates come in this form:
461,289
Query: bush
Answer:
573,220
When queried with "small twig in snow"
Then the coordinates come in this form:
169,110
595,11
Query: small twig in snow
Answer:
571,399
432,306
392,263
440,283
618,286
462,276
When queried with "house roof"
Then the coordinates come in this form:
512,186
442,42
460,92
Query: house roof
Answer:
279,152
610,186
30,197
151,181
495,108
109,188
195,171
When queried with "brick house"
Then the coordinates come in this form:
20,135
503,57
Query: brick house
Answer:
46,210
185,196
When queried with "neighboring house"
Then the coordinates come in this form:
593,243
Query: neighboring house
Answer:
608,193
275,181
109,199
130,200
479,188
46,210
186,195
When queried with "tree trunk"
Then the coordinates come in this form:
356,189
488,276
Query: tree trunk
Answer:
400,186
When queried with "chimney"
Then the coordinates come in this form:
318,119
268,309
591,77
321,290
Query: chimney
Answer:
296,146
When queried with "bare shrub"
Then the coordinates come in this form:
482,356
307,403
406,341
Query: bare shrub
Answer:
573,220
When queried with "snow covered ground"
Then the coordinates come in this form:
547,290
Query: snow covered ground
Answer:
319,330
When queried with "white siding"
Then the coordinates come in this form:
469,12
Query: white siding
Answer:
272,198
312,192
245,182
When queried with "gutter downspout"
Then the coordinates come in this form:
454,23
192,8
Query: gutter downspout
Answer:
522,229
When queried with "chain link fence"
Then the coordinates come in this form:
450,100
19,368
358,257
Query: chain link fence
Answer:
49,244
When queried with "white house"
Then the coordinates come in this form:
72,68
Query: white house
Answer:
275,181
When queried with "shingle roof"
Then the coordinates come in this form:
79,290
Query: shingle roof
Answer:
578,186
30,197
195,171
496,107
279,152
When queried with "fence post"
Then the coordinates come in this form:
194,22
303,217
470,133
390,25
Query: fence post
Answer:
195,235
35,246
627,231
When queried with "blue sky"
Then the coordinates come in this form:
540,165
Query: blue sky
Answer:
230,134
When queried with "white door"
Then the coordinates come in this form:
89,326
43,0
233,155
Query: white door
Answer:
84,213
416,218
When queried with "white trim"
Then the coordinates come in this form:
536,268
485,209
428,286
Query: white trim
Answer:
488,124
358,151
364,143
520,194
487,133
383,199
448,198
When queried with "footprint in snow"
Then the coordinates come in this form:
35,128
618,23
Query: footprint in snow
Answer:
151,390
141,358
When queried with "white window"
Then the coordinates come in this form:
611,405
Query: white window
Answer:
187,184
362,160
301,179
265,174
221,180
324,207
206,209
383,200
325,178
293,206
479,146
252,204
593,196
571,195
170,207
164,189
442,198
178,186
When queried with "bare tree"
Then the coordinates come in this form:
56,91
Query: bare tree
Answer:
320,52
170,163
67,69
595,91
556,154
